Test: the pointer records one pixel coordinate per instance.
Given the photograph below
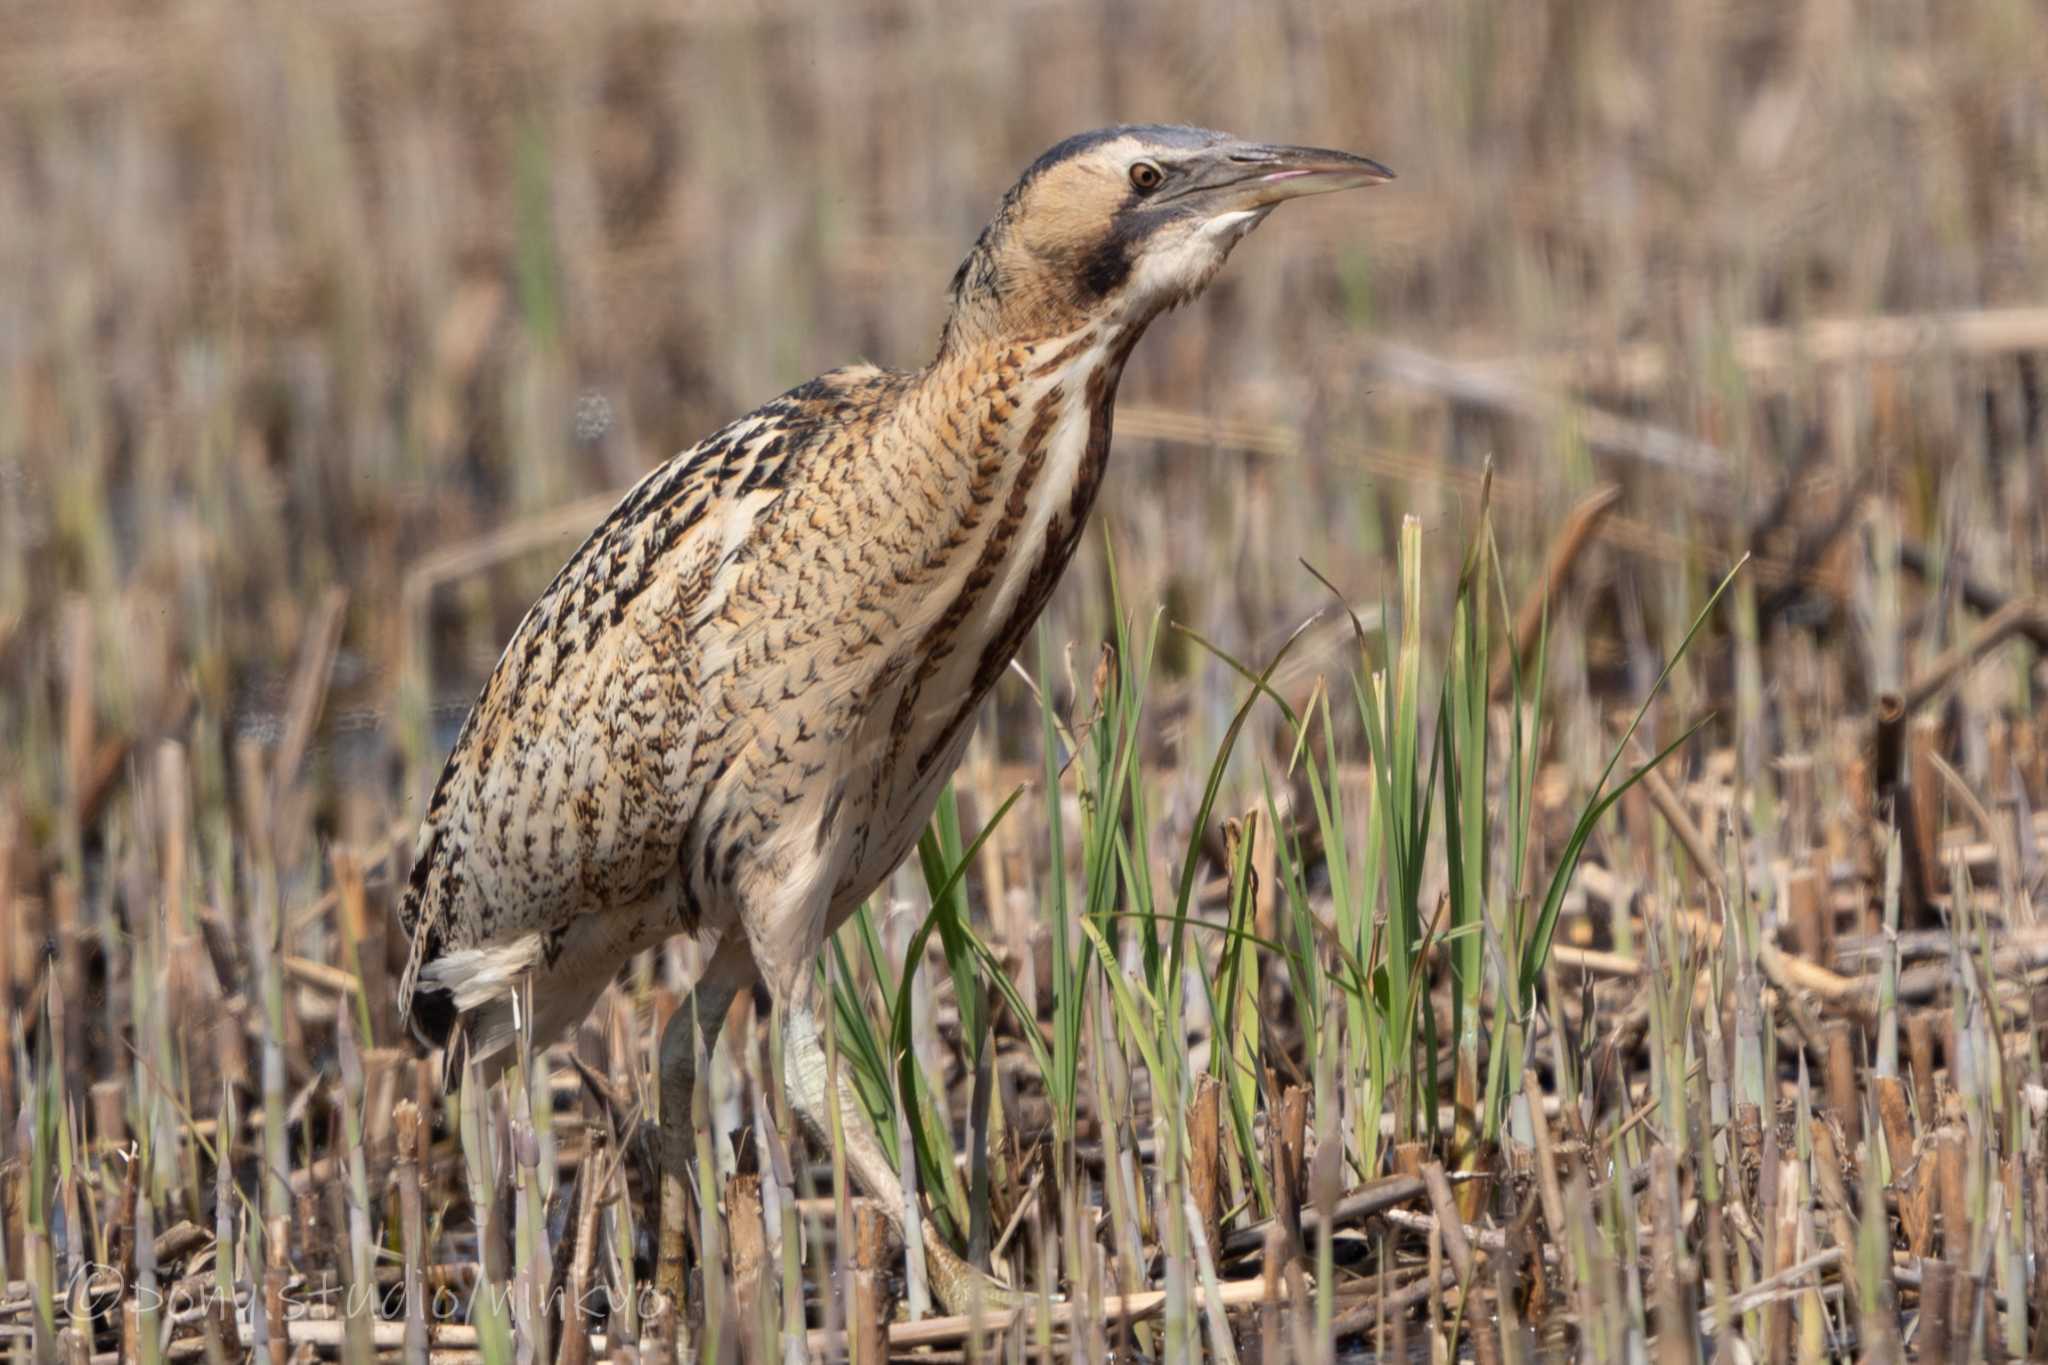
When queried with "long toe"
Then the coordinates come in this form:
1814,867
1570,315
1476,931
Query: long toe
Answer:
962,1289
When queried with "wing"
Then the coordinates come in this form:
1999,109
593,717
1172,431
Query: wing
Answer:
567,788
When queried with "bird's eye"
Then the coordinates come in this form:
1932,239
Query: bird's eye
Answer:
1146,177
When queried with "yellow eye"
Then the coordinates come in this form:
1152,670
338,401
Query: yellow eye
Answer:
1146,177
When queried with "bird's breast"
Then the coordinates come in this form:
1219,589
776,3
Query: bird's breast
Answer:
936,544
1054,450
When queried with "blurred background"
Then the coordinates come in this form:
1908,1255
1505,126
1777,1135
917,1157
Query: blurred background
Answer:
328,330
294,297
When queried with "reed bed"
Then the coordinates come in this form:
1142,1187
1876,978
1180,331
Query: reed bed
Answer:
1519,838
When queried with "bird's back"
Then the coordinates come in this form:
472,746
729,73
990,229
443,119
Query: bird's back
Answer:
740,699
573,784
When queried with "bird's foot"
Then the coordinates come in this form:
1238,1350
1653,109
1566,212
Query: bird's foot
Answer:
966,1291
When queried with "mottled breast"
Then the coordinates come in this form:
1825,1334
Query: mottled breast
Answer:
570,785
1053,451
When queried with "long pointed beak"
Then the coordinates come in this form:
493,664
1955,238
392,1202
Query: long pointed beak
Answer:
1250,175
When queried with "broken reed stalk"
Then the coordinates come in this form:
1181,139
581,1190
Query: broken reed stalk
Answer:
869,1341
746,1245
276,1277
1840,1067
309,684
591,1177
1289,1167
1780,355
1377,1197
1393,1307
1923,797
2026,617
1670,1275
1688,834
412,1228
1113,1309
1783,969
1937,1299
1891,778
1812,920
1450,1225
1977,596
10,914
1205,1156
1602,431
1581,527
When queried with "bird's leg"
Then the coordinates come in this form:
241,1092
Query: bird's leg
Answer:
808,1079
692,1030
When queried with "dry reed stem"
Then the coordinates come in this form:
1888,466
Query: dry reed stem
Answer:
2026,617
1114,1309
1359,1204
1646,442
1443,1204
316,435
1785,354
1580,528
869,1325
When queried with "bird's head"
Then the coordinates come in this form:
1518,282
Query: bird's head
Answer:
1123,223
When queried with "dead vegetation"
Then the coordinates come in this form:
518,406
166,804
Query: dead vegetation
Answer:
325,333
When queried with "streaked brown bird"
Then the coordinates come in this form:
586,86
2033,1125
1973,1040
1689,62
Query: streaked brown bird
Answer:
732,712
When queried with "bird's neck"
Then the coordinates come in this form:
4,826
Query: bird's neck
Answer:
1013,441
1075,355
999,305
1006,405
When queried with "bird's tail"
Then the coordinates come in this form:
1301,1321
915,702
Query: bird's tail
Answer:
469,1001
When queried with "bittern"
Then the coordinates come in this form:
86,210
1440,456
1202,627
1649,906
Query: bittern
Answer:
734,709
